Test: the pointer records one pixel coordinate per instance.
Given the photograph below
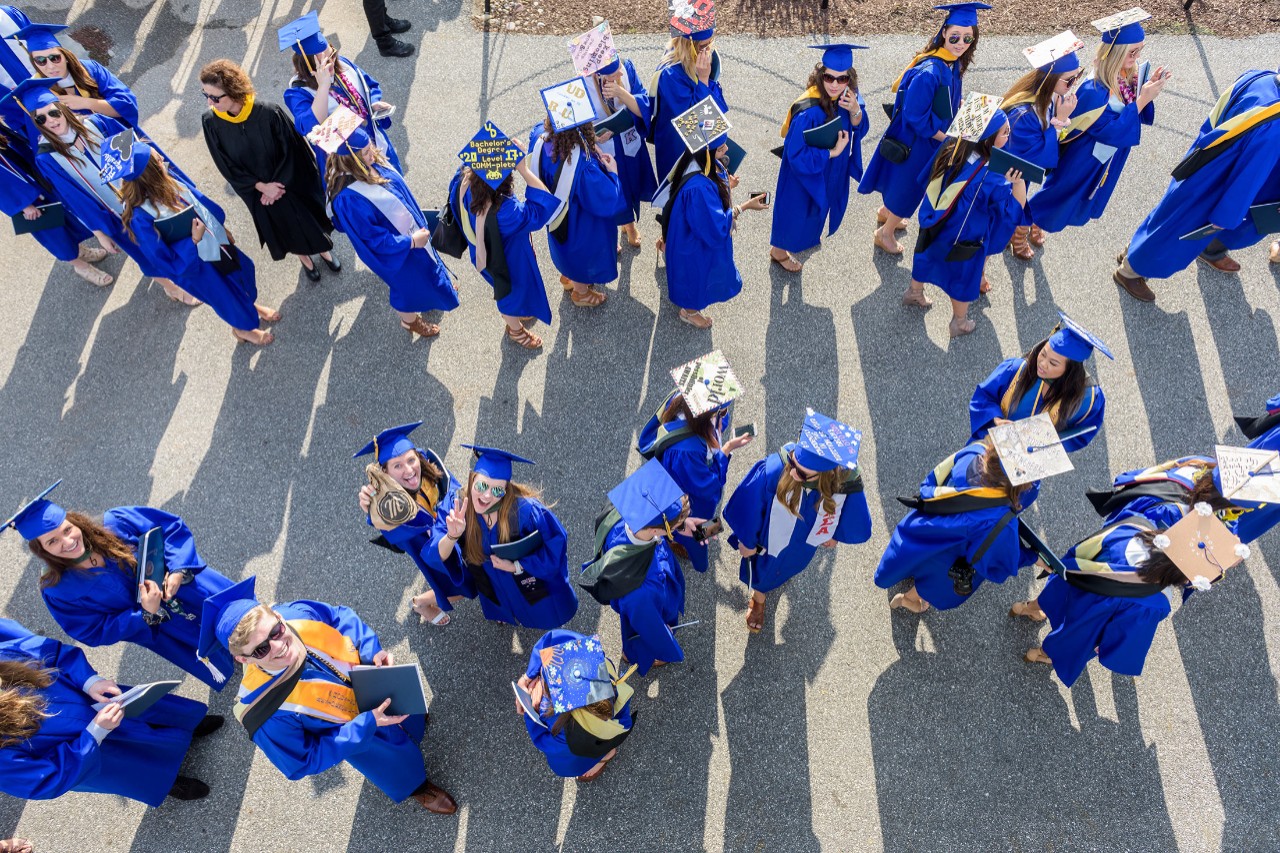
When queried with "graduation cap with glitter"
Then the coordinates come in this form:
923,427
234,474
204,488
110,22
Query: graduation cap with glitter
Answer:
1248,476
707,382
40,36
692,19
1030,449
826,444
703,125
1123,27
974,119
1055,55
37,516
576,674
491,155
1201,546
594,50
1073,341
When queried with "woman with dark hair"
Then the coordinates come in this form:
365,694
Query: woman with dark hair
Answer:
813,182
498,226
84,86
90,581
806,496
510,544
962,531
1050,378
697,226
621,90
927,96
255,147
967,212
375,208
209,266
583,236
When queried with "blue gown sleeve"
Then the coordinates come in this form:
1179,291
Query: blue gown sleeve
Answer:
532,214
130,522
854,525
298,100
984,406
375,88
917,102
454,568
361,219
299,753
707,219
115,93
599,188
1005,556
61,656
643,102
748,507
95,627
15,193
860,130
1004,212
1121,129
690,470
551,561
52,774
644,615
1092,408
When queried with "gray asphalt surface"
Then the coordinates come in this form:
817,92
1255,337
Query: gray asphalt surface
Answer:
842,726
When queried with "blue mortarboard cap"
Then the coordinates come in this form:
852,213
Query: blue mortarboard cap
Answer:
826,444
220,615
1076,342
491,155
611,67
37,516
33,93
648,498
576,674
1061,65
358,140
40,36
1128,34
837,57
961,14
495,463
137,160
1273,405
303,35
1056,55
998,119
1123,27
714,145
390,443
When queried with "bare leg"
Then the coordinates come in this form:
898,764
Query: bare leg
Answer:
307,263
909,600
960,322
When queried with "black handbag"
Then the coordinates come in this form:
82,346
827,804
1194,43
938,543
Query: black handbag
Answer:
447,238
964,250
893,150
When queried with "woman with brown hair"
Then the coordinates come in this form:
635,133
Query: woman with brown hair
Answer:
90,580
52,740
255,147
510,543
84,86
806,496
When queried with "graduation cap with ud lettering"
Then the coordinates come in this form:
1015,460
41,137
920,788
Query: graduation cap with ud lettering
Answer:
1247,476
648,498
837,57
40,36
1201,546
37,516
707,382
1073,341
219,616
569,104
1055,55
979,117
576,674
491,155
494,463
1030,449
692,19
826,444
389,443
304,35
32,94
961,14
703,125
1123,27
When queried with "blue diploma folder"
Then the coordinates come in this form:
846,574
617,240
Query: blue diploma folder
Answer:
402,684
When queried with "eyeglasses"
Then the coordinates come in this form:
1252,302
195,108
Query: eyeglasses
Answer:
482,487
260,651
213,99
42,61
831,78
41,118
956,39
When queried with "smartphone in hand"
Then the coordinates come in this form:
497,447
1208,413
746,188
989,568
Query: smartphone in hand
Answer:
758,193
707,530
745,429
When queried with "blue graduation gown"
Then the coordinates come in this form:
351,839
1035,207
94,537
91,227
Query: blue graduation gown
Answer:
418,279
298,100
550,564
748,514
985,406
140,759
986,211
1256,522
114,92
675,93
813,186
1087,172
1219,193
589,253
300,745
635,171
1032,142
1118,631
99,607
18,189
648,612
517,220
700,267
15,62
913,124
924,547
555,747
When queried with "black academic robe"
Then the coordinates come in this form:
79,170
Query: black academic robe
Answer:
265,147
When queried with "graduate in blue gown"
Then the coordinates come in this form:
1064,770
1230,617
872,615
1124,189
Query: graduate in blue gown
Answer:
813,182
927,96
806,496
968,212
621,90
425,483
961,532
1233,163
583,236
83,85
375,208
498,226
1050,378
1111,109
688,72
295,698
1163,493
530,587
579,708
318,67
71,747
15,62
1260,515
1253,426
90,583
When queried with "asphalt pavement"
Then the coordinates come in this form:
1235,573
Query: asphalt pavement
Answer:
842,726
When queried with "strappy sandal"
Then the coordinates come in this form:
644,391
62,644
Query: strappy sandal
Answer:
264,338
421,327
1037,656
524,338
900,602
591,299
960,328
875,238
633,236
789,259
1036,236
696,319
916,297
268,315
1028,610
566,284
181,296
440,619
1018,243
93,275
91,254
755,615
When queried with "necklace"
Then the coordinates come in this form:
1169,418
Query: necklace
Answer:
1126,91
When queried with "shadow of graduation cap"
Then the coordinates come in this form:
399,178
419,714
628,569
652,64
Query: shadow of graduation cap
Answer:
692,19
1030,449
575,674
1248,476
826,444
1201,546
1123,27
1073,341
491,155
1055,55
40,36
707,382
650,497
37,516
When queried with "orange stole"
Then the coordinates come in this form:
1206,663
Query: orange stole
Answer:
322,699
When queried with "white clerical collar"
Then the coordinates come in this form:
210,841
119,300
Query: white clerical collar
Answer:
635,540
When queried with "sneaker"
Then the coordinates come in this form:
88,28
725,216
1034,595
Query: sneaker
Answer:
186,788
398,25
395,47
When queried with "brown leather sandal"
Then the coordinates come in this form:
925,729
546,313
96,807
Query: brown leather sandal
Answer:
1036,236
1018,243
1028,610
421,327
524,338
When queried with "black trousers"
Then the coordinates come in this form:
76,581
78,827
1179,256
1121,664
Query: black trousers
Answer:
376,13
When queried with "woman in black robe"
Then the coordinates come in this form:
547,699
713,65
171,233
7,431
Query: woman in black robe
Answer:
271,167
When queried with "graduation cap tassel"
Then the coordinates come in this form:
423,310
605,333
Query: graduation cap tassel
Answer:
213,670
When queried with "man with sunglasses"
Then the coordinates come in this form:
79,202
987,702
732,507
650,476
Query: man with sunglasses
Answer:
296,700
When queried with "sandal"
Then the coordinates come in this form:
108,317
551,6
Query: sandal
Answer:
591,299
875,238
566,284
269,315
1036,656
916,297
1036,236
1275,252
181,296
421,327
633,237
696,319
961,327
440,619
1018,243
901,602
524,338
755,615
985,287
263,337
95,276
90,254
594,773
789,259
1028,610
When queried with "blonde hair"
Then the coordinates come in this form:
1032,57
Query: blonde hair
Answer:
1108,65
790,490
248,624
22,706
681,51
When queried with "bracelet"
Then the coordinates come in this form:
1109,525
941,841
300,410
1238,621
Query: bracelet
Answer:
737,211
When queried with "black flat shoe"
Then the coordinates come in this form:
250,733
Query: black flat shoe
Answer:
395,47
313,274
186,788
210,724
334,265
398,25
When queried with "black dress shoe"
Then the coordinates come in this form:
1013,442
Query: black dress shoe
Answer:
186,788
210,724
334,265
313,274
395,47
398,25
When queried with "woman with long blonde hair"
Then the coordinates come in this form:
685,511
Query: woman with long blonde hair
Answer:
84,86
806,496
689,71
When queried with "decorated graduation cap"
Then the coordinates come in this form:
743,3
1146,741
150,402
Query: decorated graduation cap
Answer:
703,125
707,382
40,36
826,444
1073,341
339,129
961,14
495,463
1247,476
389,443
125,157
1030,449
569,104
33,93
978,118
837,57
37,516
491,155
1123,27
1055,55
303,35
576,674
648,498
1201,546
693,19
220,615
594,52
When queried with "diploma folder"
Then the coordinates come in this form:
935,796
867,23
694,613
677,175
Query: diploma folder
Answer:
736,155
526,702
1002,161
1266,217
616,124
825,135
136,700
520,548
402,684
151,557
176,227
52,215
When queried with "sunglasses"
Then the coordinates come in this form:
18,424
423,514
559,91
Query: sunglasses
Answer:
832,78
260,651
41,118
1071,81
802,474
487,488
213,99
42,61
956,39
